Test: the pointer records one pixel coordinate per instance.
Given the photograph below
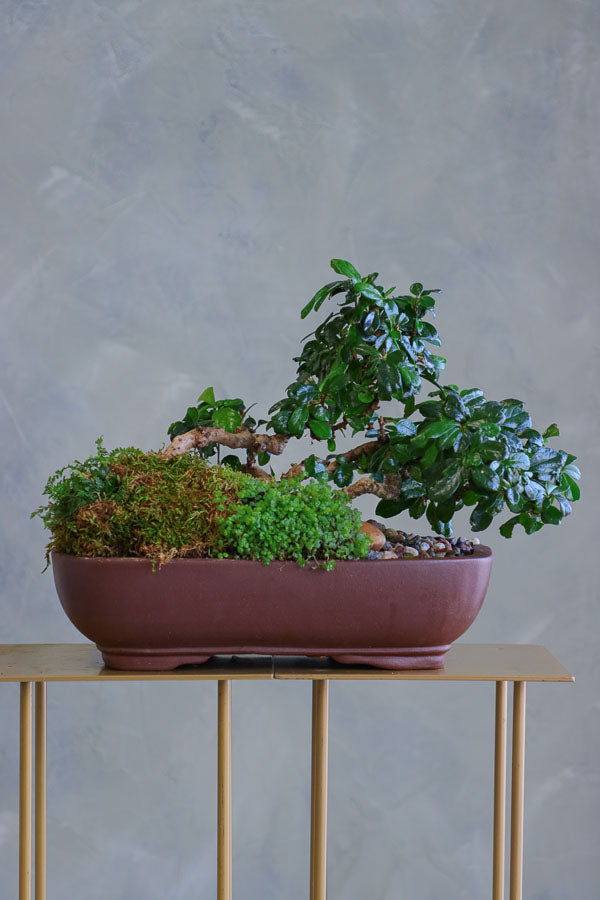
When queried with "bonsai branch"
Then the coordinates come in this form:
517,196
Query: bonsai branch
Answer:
241,439
350,456
366,485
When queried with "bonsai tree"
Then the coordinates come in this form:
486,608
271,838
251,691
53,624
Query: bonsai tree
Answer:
429,457
360,373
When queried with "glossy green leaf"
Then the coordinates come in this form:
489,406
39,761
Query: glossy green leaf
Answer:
234,462
519,461
493,450
318,298
564,504
402,427
367,290
551,431
320,429
469,395
343,473
530,523
388,379
207,396
446,510
489,429
551,515
279,422
445,486
298,420
366,396
514,499
507,528
431,409
484,478
343,267
227,418
411,489
388,508
455,408
314,466
440,428
570,487
535,492
303,392
480,518
429,456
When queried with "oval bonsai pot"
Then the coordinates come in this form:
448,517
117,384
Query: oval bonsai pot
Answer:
394,614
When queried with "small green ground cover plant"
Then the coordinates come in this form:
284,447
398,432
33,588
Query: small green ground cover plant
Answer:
360,372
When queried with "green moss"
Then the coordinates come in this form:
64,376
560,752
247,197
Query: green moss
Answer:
127,503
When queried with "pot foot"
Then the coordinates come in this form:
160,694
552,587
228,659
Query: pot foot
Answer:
405,658
149,661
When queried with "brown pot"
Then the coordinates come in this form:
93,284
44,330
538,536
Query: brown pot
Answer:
395,614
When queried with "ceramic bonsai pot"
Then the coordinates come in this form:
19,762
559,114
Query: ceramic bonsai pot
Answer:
394,614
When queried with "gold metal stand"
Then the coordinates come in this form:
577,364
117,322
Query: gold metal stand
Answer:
318,806
224,841
517,792
27,664
25,787
40,790
499,792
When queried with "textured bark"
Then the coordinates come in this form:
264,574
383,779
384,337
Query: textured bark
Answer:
242,439
388,491
350,455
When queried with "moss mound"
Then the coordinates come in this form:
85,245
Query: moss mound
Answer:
128,503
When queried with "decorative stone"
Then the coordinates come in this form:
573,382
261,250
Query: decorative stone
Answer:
377,524
388,554
375,535
421,546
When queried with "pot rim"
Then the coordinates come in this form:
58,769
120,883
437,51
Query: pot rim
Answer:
480,551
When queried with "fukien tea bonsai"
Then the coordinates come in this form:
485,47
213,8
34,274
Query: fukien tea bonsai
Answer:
360,374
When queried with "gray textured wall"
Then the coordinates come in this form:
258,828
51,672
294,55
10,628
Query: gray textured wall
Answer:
174,178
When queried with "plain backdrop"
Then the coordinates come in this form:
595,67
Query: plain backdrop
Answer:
174,178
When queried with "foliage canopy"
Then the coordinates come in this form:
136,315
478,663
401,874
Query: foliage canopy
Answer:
431,456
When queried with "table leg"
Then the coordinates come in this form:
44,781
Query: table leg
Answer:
318,825
313,763
40,790
224,842
25,786
499,791
518,792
